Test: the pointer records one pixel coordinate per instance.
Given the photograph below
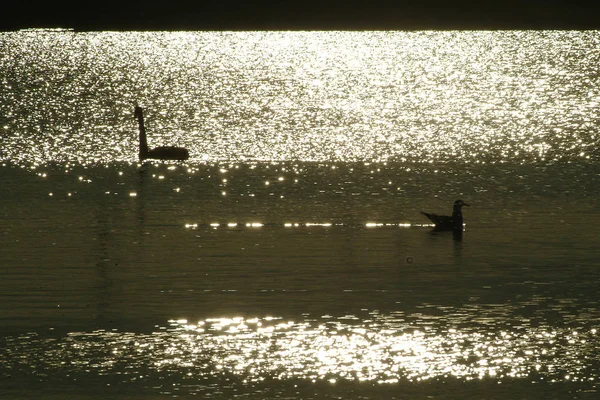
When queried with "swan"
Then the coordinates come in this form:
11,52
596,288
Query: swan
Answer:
447,223
157,153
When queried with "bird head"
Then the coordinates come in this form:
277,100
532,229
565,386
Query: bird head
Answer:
460,203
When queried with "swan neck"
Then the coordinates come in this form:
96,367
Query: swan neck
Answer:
457,211
143,141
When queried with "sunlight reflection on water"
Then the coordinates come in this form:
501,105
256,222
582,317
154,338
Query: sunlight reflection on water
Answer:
475,97
308,151
89,271
374,348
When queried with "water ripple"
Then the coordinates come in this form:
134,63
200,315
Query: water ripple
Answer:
377,348
311,96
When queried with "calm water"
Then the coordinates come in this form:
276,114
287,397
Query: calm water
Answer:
288,257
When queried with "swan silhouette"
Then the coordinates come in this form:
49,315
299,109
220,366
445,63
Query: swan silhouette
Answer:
157,153
448,223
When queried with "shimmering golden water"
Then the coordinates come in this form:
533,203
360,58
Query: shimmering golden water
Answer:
416,96
288,257
370,348
325,277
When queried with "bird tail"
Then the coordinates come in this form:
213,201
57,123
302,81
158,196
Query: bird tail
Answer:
432,217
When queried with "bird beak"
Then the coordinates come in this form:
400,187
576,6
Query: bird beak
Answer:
465,204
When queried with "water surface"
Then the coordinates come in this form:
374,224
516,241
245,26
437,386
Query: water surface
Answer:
288,257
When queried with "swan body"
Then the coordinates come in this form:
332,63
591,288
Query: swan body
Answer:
157,153
447,223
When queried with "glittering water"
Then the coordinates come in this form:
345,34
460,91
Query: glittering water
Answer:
288,258
419,96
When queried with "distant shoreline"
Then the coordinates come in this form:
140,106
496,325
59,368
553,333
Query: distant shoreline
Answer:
267,15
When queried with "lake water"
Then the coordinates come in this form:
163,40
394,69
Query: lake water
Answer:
288,257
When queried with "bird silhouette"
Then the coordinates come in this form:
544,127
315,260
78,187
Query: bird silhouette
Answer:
157,153
448,223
